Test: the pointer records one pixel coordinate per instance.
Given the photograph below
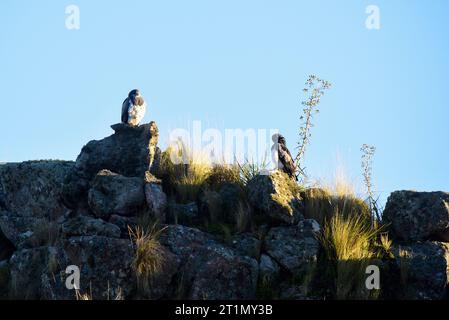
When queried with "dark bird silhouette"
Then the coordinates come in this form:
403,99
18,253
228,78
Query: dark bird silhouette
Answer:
282,156
133,108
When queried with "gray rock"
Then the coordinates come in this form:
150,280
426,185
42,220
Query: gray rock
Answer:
112,193
209,270
88,226
415,216
157,285
246,244
123,223
105,265
26,269
155,197
130,152
226,204
276,196
295,248
31,196
423,269
268,269
185,214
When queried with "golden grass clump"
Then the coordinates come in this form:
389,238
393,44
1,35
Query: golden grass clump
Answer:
322,201
221,174
348,241
149,256
184,171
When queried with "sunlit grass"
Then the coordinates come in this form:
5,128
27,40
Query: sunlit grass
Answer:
149,255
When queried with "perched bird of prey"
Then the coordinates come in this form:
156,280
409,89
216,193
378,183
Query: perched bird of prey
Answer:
133,108
282,157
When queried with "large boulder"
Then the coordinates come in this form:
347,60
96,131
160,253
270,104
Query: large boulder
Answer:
26,268
415,216
30,198
130,152
208,269
105,266
112,193
276,196
295,248
423,270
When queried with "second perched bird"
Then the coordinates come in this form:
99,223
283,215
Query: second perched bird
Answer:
133,108
282,156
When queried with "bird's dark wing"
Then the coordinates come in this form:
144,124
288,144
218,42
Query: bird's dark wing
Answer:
286,159
125,108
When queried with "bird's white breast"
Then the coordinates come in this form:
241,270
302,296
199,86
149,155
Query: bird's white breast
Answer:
136,114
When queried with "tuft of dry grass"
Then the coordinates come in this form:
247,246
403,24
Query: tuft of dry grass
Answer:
404,265
149,257
185,176
348,241
325,199
221,174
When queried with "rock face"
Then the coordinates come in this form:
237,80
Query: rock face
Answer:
276,196
416,216
295,248
424,269
84,225
130,152
185,214
155,197
225,204
30,193
209,270
112,193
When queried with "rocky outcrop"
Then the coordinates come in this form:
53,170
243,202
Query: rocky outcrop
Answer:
112,193
423,270
417,216
256,241
30,193
276,196
129,152
295,248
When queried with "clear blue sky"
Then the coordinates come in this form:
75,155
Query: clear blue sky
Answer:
234,64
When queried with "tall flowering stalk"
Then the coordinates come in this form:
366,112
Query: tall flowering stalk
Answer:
315,88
